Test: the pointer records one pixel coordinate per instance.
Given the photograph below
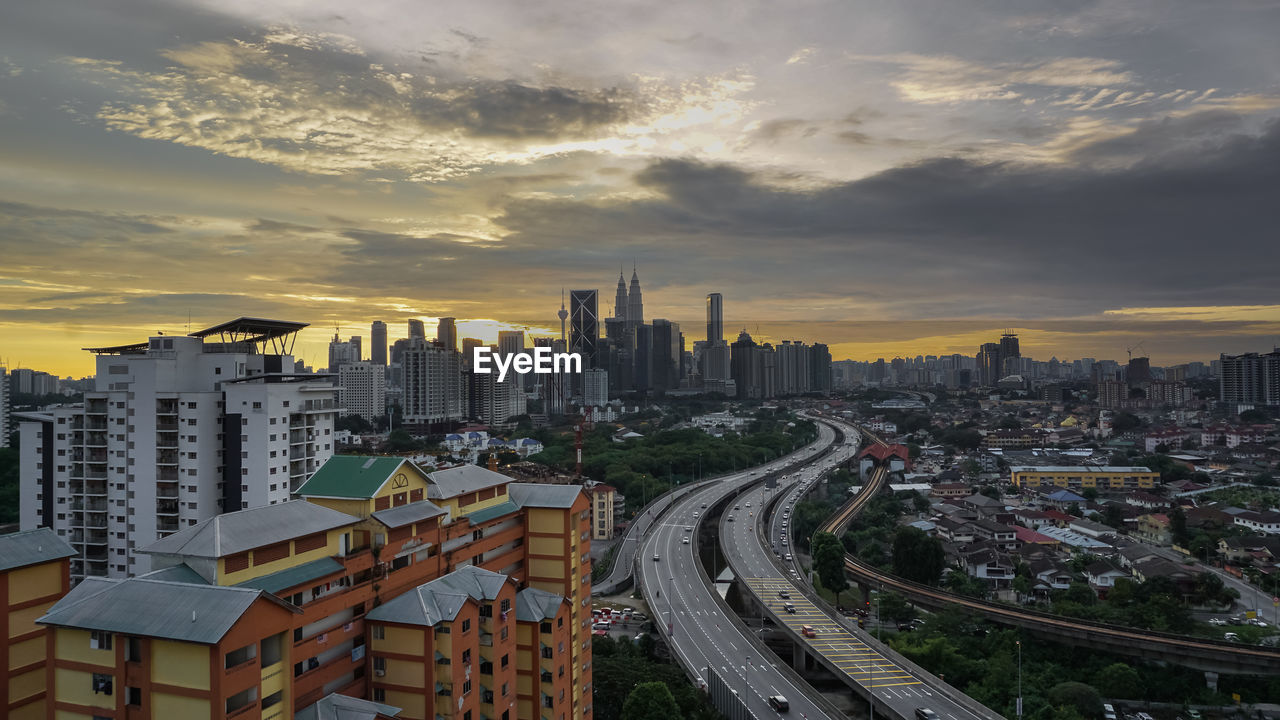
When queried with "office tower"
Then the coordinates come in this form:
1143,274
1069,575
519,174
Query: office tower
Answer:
1010,356
620,300
362,390
469,346
417,331
4,409
378,343
452,593
745,367
635,306
715,319
1250,379
584,326
342,352
595,387
642,359
510,342
668,356
177,430
432,386
447,333
492,402
554,388
989,367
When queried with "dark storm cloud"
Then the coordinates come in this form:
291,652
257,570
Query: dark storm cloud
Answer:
1192,225
512,110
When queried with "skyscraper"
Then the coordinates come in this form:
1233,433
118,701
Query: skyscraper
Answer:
362,390
4,409
668,356
447,333
417,331
635,306
432,385
510,342
562,315
989,364
620,300
342,352
715,319
1010,356
584,326
378,343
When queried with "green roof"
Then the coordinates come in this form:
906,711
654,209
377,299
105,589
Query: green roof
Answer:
294,576
490,513
350,476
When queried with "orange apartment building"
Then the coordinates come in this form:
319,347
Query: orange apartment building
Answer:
35,571
365,532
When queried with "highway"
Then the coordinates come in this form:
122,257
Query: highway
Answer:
698,625
754,557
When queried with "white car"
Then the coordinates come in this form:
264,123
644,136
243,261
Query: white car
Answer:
686,541
1217,621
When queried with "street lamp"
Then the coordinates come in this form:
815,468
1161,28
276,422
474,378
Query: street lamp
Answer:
1019,678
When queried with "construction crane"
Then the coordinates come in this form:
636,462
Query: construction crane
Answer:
1131,349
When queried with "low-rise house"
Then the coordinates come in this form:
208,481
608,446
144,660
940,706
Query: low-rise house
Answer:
1147,501
1154,527
1001,536
987,564
1266,522
1102,576
1136,553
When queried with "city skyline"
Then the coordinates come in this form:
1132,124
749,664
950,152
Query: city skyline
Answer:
1093,176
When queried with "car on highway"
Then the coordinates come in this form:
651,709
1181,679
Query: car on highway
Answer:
601,626
656,558
808,631
685,541
1231,637
1217,621
688,528
730,518
789,607
1257,622
735,507
1108,712
784,594
926,714
788,557
779,703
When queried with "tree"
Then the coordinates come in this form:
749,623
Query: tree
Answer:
400,441
1113,515
1178,526
828,560
1089,493
990,491
895,607
1256,416
1119,681
650,701
970,467
920,503
913,451
916,556
1083,698
1022,586
1074,509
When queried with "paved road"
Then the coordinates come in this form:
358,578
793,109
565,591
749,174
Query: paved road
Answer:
753,559
698,628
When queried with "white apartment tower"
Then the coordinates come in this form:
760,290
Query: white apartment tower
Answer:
362,389
4,408
177,429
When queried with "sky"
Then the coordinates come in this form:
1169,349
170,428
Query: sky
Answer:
885,177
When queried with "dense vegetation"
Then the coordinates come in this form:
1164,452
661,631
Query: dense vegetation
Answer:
621,674
644,468
1058,682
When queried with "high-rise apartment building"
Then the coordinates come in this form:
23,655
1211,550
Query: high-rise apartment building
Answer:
447,333
378,343
176,430
362,390
432,385
595,387
668,356
4,409
1010,355
510,342
584,326
491,401
989,366
343,352
1250,379
445,594
417,331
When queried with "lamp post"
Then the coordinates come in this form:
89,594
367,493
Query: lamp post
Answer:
1019,678
746,709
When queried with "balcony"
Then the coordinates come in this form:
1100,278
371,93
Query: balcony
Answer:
168,491
96,423
166,457
167,440
166,407
166,507
95,487
96,406
96,455
166,525
95,439
166,425
167,473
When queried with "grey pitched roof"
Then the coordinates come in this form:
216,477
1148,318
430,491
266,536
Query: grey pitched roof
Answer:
442,598
294,576
180,573
408,514
341,707
546,496
242,530
31,547
154,608
534,605
492,512
462,480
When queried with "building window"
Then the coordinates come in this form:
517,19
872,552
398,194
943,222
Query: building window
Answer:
466,625
466,687
503,634
379,666
133,696
101,683
379,695
443,629
544,627
506,660
486,610
379,632
99,640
